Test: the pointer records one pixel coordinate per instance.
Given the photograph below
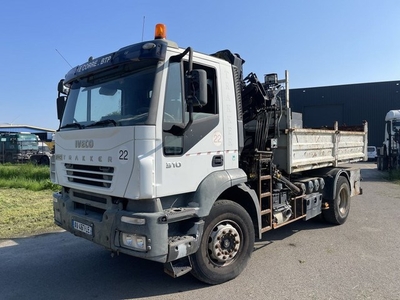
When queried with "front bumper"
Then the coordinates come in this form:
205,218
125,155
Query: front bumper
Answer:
141,234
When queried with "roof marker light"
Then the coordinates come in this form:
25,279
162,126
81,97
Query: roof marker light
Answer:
160,32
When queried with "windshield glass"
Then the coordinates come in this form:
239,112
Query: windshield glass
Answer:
396,125
27,142
120,98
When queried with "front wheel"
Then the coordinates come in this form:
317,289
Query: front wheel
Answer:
226,245
339,207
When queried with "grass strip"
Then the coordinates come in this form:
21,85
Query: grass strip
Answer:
24,212
27,176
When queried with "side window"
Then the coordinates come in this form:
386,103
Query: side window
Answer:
173,110
211,108
173,95
205,118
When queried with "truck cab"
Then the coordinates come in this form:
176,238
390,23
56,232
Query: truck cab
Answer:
17,147
388,156
137,135
392,129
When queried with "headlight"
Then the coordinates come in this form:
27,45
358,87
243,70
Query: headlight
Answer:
133,241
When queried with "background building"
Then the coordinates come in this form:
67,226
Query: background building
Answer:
44,134
349,105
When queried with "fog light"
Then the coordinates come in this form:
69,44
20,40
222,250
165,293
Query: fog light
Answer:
136,242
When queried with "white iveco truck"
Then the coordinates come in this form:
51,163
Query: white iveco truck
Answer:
171,155
388,155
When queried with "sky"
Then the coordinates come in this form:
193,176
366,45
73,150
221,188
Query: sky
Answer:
320,42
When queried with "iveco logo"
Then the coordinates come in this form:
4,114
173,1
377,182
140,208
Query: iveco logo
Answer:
84,144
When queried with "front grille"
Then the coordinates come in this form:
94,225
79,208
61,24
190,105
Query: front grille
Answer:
98,176
88,211
90,197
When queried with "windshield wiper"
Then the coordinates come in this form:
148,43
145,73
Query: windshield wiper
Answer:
77,125
103,122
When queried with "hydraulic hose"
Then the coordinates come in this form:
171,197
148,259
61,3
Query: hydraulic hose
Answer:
283,179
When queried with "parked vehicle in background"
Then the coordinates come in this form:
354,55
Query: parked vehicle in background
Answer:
372,153
388,155
17,147
42,156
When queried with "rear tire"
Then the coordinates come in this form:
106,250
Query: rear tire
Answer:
45,161
339,207
226,245
9,158
379,163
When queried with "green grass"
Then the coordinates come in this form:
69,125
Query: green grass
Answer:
394,175
25,213
27,176
26,203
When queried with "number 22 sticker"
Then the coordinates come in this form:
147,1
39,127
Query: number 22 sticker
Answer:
123,155
217,138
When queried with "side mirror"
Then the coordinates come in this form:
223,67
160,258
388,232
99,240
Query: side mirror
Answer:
61,101
197,87
389,127
61,88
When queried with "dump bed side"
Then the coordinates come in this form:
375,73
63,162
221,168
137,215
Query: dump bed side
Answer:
301,149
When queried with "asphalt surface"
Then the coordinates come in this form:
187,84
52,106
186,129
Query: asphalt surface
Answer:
304,260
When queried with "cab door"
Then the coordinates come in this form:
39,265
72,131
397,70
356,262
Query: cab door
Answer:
190,157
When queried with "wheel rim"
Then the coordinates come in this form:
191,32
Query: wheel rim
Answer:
343,201
224,242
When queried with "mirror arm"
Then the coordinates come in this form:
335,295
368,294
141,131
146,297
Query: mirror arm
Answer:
179,131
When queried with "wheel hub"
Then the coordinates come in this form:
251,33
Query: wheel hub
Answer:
224,243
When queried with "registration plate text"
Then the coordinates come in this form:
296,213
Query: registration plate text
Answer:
82,227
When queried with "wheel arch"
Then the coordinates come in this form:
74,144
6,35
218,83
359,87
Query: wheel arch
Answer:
331,181
227,184
247,198
331,177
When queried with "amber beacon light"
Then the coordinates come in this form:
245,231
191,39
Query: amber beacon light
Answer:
161,31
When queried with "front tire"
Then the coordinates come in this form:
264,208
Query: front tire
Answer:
226,245
339,207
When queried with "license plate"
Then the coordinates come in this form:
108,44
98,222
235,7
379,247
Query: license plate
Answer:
82,227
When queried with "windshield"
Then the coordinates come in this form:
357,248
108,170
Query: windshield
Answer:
120,98
27,142
396,125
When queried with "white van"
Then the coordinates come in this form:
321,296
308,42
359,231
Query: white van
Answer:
372,154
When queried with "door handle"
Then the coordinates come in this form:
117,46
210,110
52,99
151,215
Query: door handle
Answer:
217,161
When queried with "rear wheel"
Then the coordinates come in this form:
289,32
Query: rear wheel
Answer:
226,245
379,163
339,207
44,161
9,158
